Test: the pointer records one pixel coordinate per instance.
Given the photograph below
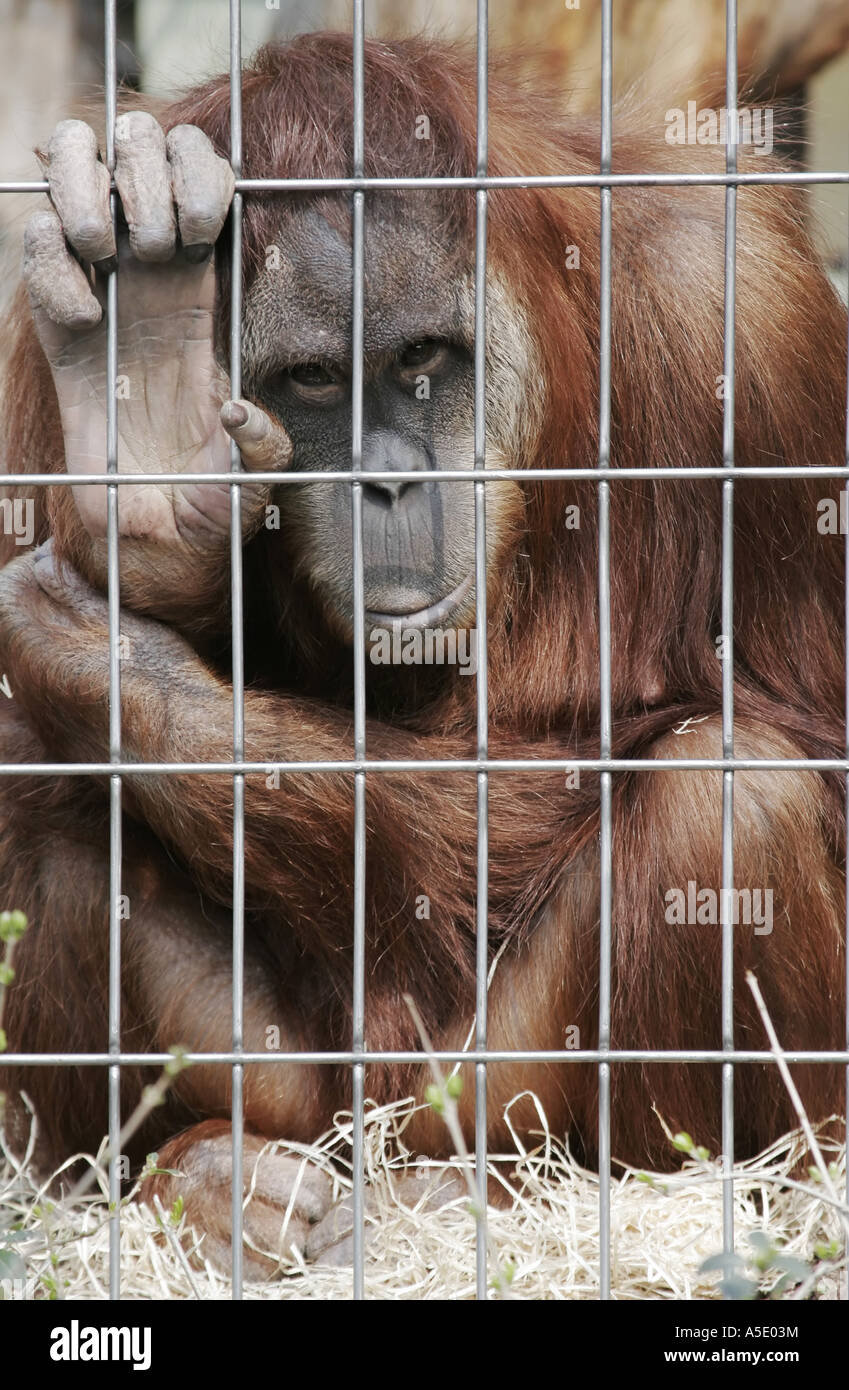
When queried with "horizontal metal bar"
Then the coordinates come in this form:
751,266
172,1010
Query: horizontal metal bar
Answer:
426,475
432,765
473,181
385,1058
632,180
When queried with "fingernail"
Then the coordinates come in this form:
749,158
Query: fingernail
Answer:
234,414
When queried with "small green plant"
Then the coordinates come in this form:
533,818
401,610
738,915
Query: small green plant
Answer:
685,1145
12,927
766,1272
12,1268
815,1174
442,1096
152,1096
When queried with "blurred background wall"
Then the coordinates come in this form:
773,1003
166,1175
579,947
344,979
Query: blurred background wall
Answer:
792,52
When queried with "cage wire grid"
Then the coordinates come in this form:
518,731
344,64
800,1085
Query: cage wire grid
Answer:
360,765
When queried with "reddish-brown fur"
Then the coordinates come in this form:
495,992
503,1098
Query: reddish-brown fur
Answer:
543,673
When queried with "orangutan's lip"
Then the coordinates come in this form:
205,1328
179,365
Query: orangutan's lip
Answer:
424,617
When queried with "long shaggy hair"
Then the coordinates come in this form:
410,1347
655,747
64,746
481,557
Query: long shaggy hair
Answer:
543,653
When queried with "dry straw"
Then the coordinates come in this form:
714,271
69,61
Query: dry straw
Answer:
661,1231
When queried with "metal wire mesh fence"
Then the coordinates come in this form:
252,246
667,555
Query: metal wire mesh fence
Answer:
360,765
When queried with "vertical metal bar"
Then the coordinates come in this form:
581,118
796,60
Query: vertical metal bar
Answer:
237,634
846,697
605,717
728,628
358,1017
482,691
113,573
